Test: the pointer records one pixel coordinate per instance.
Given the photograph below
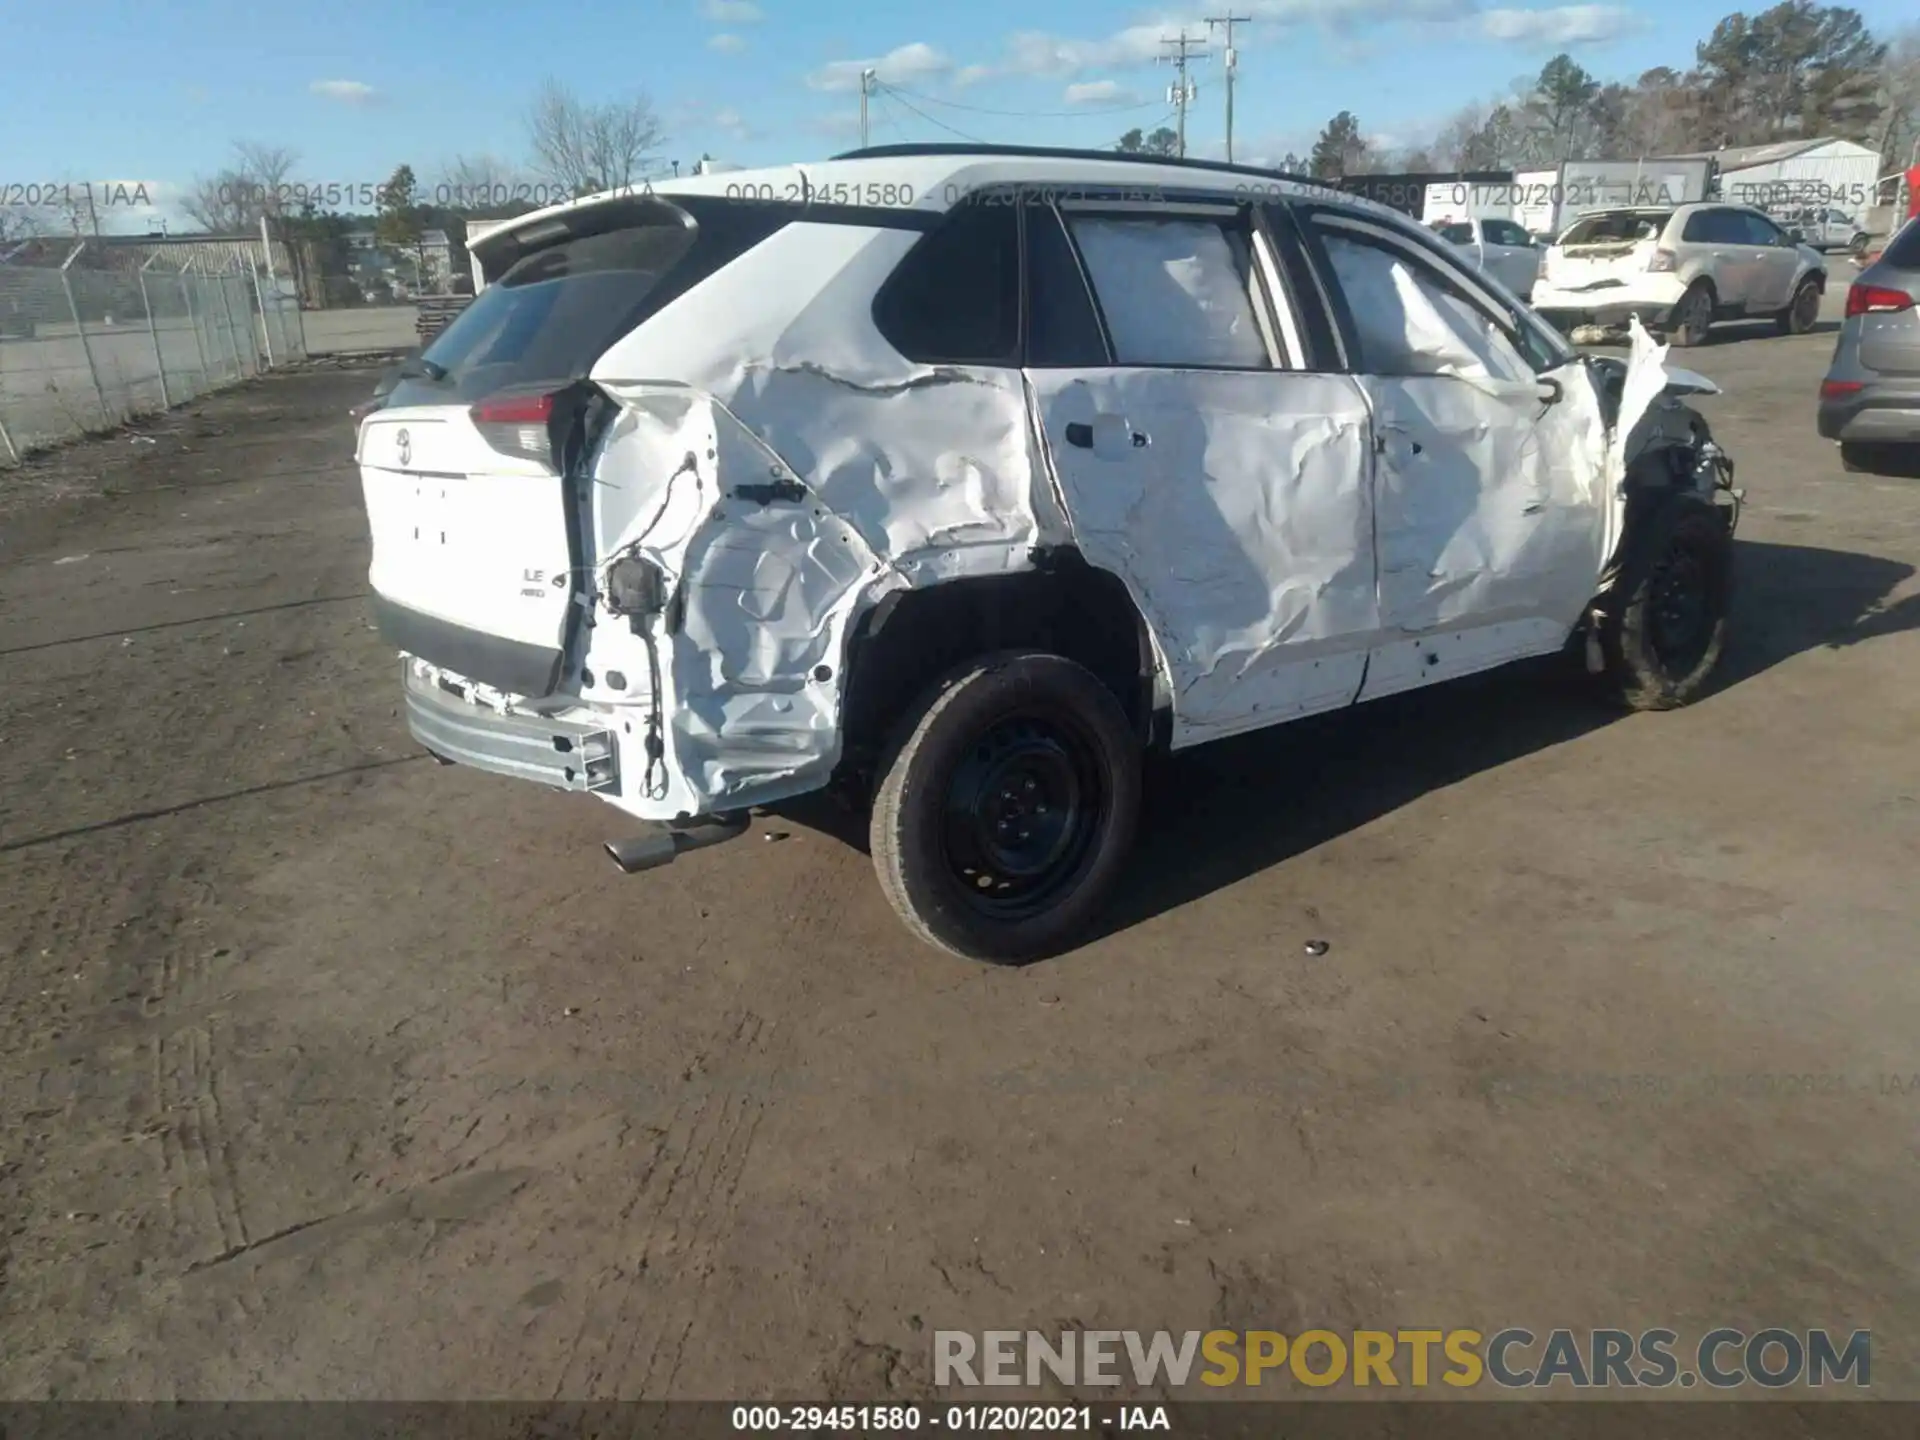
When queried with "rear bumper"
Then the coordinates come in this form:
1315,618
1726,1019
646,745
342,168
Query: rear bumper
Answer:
1652,298
1883,413
565,754
512,667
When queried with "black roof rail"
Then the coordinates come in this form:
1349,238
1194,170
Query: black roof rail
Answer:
1048,152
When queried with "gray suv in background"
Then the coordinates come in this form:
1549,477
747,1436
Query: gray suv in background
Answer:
1870,400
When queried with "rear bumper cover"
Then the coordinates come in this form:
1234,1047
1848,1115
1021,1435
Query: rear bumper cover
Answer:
565,754
1651,297
512,667
1879,414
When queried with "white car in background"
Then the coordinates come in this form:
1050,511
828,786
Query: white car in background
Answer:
1500,247
1680,269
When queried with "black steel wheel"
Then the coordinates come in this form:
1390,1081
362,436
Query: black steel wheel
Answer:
1008,807
1664,622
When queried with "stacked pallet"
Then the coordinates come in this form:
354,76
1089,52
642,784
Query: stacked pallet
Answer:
436,312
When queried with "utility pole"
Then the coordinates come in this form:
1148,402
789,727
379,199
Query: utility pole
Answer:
866,89
1230,61
1186,49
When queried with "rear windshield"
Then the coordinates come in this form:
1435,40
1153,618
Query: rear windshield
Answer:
551,316
1616,227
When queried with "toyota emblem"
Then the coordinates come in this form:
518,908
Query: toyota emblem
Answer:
405,442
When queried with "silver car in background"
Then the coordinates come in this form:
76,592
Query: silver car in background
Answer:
1870,400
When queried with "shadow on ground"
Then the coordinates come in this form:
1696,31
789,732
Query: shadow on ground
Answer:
1217,814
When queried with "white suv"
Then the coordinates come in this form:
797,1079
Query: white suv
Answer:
1680,269
960,480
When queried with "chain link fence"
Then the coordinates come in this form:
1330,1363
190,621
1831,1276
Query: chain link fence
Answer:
87,349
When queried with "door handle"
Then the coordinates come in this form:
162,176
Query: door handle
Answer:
1550,391
1140,440
1080,435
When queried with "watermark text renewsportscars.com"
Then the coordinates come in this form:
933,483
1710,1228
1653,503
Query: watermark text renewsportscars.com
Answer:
1513,1358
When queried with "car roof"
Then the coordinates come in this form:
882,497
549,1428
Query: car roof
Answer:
936,177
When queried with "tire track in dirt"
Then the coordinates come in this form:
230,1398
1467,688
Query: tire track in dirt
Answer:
137,913
638,1315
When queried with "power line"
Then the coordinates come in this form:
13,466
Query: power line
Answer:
894,94
1030,114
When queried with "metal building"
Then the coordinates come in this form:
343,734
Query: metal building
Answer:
1796,174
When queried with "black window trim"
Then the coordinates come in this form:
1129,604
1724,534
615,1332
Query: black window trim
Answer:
1217,208
1039,204
1323,350
1449,272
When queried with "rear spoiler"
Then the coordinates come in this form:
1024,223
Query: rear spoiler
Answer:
499,250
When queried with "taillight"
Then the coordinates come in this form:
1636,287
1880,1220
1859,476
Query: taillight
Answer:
518,425
1839,389
1875,300
1662,262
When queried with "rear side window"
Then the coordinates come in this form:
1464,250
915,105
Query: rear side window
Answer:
1456,234
558,310
1505,232
1713,227
955,298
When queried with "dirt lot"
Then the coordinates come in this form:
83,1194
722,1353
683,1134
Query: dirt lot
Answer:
325,1071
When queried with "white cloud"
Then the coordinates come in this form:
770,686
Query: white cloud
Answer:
731,121
347,92
1562,25
727,44
1033,52
731,12
973,75
840,124
899,66
1100,92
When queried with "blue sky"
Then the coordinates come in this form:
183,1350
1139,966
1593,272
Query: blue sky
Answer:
130,90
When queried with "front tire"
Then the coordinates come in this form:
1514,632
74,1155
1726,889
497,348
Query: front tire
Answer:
1803,312
1008,807
1664,622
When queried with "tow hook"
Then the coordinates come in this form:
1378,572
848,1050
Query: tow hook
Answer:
662,844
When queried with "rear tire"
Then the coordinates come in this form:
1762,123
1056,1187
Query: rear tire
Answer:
1006,748
1802,312
1664,621
1692,316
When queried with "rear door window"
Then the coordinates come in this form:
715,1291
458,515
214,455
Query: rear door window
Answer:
1176,290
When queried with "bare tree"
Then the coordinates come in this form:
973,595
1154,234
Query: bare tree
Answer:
1900,94
255,185
584,148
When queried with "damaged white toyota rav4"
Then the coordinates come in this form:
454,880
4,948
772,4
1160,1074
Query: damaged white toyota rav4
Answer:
961,479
